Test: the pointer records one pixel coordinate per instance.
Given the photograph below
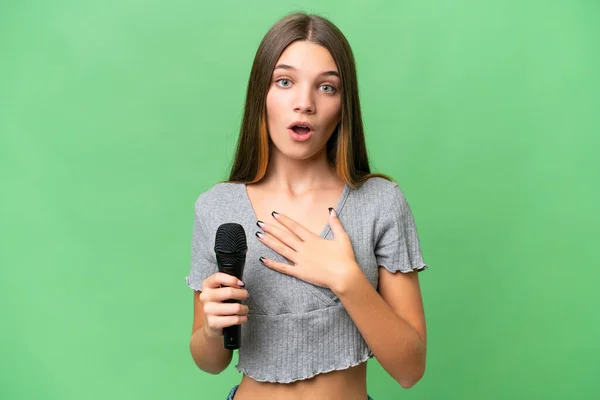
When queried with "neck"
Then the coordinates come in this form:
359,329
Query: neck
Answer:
299,176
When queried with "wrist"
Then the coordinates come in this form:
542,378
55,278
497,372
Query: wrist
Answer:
348,279
209,334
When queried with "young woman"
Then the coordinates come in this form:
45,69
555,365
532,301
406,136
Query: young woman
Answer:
330,278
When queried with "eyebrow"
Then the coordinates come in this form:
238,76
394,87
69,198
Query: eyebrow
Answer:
289,67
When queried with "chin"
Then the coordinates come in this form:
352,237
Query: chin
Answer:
299,154
296,153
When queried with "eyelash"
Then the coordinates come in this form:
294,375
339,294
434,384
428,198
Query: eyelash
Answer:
288,79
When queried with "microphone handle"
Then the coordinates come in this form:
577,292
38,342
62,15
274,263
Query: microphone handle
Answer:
232,334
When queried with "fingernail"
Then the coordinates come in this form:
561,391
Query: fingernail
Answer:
275,215
260,223
262,259
332,211
259,235
240,283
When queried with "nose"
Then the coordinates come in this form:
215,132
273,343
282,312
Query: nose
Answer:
303,101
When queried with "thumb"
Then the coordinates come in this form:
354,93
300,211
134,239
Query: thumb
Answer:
335,224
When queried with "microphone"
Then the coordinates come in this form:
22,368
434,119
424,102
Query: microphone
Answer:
231,249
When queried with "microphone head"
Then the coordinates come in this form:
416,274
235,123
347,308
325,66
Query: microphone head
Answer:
230,242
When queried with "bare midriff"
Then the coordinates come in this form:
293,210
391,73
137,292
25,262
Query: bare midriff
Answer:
347,384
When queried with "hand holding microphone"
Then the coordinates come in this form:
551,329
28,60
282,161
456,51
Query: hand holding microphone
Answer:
219,314
223,311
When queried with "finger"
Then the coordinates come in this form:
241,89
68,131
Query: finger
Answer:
222,294
296,228
219,279
225,309
280,267
336,226
218,322
283,235
276,245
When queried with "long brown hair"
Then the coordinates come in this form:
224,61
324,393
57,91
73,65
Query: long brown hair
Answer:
346,149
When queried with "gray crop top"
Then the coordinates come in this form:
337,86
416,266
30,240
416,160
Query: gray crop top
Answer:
296,330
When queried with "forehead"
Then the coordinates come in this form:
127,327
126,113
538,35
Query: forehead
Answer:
307,57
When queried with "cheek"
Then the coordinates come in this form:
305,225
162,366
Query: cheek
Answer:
274,103
275,112
334,111
269,104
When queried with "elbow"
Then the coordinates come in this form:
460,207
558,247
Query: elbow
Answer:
210,366
213,371
413,373
212,362
411,378
409,381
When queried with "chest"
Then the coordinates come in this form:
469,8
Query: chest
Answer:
273,293
311,211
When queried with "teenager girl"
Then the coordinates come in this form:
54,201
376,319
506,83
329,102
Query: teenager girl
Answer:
331,274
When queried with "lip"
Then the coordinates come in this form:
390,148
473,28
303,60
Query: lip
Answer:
305,123
300,138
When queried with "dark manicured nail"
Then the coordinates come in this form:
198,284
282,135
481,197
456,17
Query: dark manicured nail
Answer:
275,215
262,259
259,223
259,235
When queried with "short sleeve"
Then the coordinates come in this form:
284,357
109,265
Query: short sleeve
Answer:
203,262
397,246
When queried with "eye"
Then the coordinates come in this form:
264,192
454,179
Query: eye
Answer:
332,89
284,80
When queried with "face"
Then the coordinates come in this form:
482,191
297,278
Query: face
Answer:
305,89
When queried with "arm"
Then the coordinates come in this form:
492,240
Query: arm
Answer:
208,352
392,321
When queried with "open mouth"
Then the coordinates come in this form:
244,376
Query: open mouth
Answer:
300,130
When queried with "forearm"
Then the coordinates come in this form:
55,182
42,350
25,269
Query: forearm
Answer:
208,353
395,344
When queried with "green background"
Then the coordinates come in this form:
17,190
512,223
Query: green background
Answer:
116,114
